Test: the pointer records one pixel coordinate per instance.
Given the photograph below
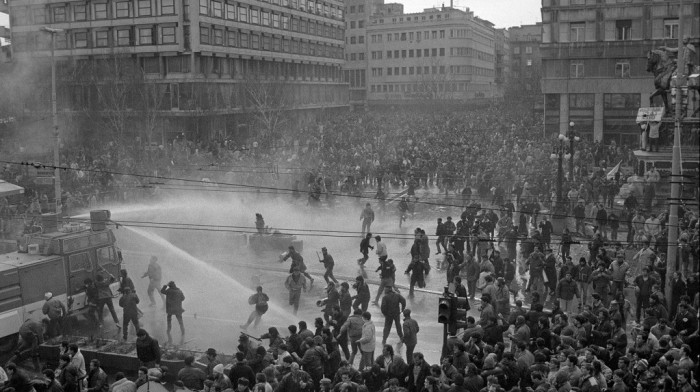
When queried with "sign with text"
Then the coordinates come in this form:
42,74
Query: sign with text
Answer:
653,114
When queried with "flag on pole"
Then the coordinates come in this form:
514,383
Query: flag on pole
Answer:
611,173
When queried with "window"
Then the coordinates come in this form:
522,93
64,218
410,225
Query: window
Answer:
528,50
622,69
388,37
243,14
144,7
123,9
203,7
245,40
621,101
623,30
167,35
426,52
352,9
403,36
410,53
146,36
578,32
79,262
516,50
581,101
275,20
100,10
285,22
360,9
217,9
81,40
353,40
124,37
230,11
231,38
442,51
204,34
265,18
671,28
403,54
352,24
360,24
353,57
388,54
576,69
434,52
442,33
79,12
101,39
389,71
218,37
59,14
361,56
254,16
529,62
167,7
361,39
255,41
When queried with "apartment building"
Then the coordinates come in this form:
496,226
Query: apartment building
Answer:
442,54
594,61
201,53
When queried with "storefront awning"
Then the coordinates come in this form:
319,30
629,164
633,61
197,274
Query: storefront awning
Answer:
7,189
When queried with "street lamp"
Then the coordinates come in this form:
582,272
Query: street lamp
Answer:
54,115
560,153
571,134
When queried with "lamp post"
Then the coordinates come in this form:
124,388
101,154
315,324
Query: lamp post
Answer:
54,116
572,138
560,153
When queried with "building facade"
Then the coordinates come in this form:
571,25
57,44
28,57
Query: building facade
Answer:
441,54
525,77
594,61
205,56
502,65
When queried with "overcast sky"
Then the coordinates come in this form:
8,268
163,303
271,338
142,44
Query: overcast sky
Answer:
503,13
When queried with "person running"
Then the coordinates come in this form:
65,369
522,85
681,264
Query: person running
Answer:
295,283
173,307
155,275
328,264
364,249
298,262
367,217
260,300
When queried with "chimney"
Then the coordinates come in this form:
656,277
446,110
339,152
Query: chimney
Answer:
452,5
443,6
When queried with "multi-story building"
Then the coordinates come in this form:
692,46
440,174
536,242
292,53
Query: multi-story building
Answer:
438,54
502,66
357,13
594,61
525,64
204,55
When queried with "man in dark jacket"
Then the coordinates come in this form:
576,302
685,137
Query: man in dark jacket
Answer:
104,297
241,369
393,304
417,269
364,249
417,373
173,306
97,378
129,302
147,349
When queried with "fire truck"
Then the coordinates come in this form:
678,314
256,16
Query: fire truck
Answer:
56,259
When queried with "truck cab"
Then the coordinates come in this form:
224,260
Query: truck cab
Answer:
57,260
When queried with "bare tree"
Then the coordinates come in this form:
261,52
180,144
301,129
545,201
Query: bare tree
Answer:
268,100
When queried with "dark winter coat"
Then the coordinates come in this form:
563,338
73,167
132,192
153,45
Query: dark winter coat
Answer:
173,300
147,349
393,304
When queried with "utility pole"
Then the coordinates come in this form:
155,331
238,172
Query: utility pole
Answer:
54,116
676,177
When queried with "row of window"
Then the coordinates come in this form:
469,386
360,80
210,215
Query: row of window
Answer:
219,9
360,24
471,52
217,35
245,14
430,70
429,86
98,38
360,9
528,50
577,69
414,18
81,11
355,56
408,53
355,77
408,36
618,30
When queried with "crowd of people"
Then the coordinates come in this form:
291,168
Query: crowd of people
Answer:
562,340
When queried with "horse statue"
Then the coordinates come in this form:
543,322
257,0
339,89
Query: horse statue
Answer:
662,66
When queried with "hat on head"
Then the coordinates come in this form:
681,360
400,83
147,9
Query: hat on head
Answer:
211,351
219,369
48,295
324,248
